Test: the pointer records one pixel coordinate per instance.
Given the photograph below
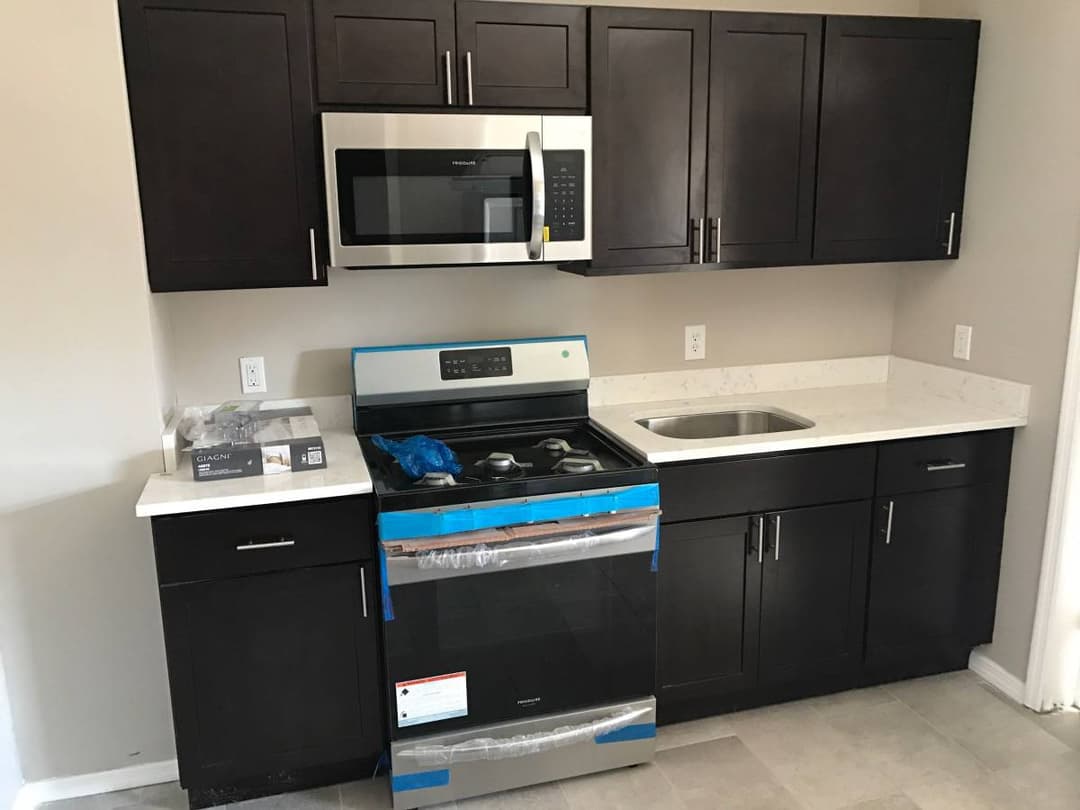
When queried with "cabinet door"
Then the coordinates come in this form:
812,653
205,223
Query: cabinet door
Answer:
925,581
521,55
813,592
649,90
385,51
707,610
272,672
895,120
222,113
763,108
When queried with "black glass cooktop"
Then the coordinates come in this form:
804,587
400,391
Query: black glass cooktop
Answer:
506,463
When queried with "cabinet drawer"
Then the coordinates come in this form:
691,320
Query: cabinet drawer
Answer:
236,542
946,461
763,483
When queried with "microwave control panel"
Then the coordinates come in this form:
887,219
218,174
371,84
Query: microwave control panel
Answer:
565,204
467,364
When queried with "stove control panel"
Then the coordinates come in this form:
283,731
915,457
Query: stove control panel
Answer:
467,364
563,176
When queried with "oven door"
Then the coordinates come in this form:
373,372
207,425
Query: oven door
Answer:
412,189
508,623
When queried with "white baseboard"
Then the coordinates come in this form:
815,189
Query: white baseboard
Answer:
996,675
34,794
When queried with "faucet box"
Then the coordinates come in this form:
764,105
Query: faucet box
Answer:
268,443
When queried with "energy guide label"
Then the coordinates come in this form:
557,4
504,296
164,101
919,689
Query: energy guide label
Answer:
426,700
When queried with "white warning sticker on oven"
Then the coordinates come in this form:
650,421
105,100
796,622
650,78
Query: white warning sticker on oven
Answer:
426,700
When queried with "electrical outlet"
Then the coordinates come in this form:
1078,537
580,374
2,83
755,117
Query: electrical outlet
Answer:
695,342
252,375
961,347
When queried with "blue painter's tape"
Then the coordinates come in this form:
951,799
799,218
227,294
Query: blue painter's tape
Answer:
637,731
384,588
655,565
419,781
406,347
406,525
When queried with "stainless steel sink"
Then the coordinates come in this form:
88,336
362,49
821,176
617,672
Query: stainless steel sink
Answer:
724,423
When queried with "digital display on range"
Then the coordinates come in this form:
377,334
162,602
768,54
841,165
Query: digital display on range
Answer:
467,364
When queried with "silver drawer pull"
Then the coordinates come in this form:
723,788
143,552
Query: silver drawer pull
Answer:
948,465
363,591
284,542
888,525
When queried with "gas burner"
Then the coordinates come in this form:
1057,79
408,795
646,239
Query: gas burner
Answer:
502,463
553,445
436,479
583,464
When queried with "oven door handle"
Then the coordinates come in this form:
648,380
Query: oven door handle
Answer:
489,748
536,167
483,558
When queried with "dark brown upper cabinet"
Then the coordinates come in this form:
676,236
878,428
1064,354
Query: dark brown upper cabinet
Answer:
895,122
411,53
649,89
521,55
763,108
222,111
385,51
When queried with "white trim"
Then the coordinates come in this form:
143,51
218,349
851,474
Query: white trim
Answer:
34,794
996,675
1054,659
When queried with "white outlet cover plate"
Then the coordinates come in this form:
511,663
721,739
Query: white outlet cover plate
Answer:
695,342
962,342
252,375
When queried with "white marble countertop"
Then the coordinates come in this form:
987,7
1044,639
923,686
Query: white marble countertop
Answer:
848,414
345,474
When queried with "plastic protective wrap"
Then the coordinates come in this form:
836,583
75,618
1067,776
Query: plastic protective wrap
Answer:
419,455
487,557
521,745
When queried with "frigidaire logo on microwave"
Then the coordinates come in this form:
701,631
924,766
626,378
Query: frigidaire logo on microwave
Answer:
462,162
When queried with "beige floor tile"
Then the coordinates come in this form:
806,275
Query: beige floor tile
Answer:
643,787
986,793
898,802
723,774
327,798
903,747
168,796
852,700
1052,783
81,803
538,797
810,758
1065,725
998,733
694,731
366,794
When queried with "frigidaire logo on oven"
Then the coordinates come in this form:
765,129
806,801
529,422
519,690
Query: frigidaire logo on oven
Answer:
462,162
529,701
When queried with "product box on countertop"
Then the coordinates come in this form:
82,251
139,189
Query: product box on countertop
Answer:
239,439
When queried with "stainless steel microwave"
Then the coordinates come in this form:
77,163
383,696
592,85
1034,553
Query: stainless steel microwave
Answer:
418,189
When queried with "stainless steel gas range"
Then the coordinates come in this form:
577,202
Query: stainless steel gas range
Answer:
519,594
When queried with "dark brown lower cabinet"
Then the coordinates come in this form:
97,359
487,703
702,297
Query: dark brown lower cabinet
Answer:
707,606
813,592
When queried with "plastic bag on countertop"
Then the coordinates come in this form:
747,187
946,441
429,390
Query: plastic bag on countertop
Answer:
419,455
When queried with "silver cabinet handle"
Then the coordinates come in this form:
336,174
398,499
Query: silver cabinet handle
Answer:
449,77
363,591
536,165
716,226
314,260
778,538
761,539
888,525
284,542
468,76
952,232
948,465
701,241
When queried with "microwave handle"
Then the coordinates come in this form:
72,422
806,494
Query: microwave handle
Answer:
536,165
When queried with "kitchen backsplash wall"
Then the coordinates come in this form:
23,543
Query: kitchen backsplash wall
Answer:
634,323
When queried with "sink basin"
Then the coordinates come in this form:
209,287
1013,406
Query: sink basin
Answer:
724,423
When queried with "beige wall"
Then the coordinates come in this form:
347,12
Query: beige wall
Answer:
80,630
1014,279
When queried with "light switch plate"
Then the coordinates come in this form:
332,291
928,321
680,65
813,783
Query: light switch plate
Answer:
252,375
962,342
695,342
